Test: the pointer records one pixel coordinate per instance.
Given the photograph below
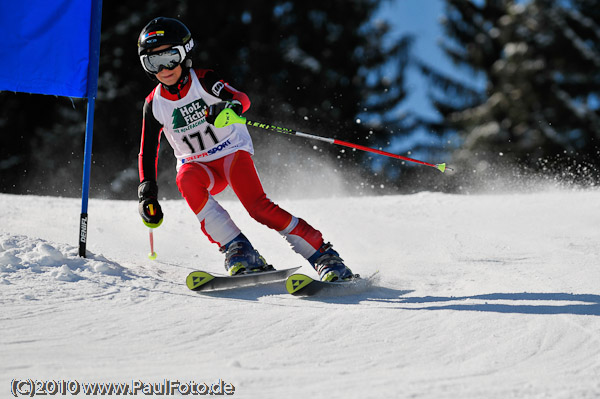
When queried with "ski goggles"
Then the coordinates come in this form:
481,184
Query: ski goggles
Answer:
165,59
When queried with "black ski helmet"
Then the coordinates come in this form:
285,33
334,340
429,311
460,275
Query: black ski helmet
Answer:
161,31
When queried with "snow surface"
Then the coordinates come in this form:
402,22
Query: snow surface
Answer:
479,296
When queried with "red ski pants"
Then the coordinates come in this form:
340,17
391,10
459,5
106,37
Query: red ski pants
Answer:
198,182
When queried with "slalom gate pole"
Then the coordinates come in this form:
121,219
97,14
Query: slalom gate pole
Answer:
228,117
92,91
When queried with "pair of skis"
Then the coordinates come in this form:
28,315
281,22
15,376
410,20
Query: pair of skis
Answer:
295,283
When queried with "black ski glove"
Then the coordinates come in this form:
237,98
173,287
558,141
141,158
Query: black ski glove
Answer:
215,109
149,208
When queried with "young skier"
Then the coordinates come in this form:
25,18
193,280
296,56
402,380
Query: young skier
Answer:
183,107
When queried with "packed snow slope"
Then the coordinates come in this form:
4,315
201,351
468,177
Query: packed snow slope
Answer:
478,296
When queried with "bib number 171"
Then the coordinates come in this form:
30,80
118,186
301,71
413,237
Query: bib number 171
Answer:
198,138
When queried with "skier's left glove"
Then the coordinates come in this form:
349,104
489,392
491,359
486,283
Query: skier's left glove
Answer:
149,208
215,109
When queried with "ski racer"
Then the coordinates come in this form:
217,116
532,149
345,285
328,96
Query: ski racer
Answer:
183,106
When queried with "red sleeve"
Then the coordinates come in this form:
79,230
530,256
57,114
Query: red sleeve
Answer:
238,95
213,84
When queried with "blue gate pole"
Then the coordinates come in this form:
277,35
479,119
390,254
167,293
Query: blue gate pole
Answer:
92,90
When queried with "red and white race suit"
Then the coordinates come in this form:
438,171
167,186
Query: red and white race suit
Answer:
209,159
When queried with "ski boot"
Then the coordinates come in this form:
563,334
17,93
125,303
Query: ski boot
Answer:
242,258
327,262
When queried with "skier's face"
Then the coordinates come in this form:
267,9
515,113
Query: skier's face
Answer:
165,76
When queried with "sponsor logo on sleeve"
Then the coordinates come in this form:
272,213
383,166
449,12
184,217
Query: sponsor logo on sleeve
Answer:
217,87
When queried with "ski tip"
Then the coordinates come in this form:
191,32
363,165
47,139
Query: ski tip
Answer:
196,280
296,282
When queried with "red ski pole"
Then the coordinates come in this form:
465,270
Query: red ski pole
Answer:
152,255
228,116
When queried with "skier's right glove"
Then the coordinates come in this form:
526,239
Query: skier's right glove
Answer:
215,109
149,208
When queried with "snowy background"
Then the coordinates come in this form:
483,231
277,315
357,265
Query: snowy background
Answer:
490,294
478,296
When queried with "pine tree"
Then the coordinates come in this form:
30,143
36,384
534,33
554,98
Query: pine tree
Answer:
540,60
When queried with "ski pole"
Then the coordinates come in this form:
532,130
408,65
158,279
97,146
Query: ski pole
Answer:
228,117
152,255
